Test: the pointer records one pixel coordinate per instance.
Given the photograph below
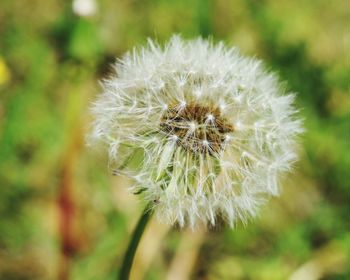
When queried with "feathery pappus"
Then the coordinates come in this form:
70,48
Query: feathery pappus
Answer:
204,131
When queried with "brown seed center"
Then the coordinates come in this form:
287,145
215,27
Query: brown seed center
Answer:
197,128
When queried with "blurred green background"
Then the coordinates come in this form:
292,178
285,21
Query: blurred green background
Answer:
63,216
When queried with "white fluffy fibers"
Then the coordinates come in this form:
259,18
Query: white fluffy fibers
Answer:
204,131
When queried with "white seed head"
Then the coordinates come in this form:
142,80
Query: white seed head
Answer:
209,143
84,7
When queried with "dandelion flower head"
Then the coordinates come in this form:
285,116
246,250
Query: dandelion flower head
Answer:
204,131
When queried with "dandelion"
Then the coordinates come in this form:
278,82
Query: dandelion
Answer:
204,132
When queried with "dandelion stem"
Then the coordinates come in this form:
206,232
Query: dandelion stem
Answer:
135,239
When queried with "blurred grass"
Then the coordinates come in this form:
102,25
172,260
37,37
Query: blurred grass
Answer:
64,217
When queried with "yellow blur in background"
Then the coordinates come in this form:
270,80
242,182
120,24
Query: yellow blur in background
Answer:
4,72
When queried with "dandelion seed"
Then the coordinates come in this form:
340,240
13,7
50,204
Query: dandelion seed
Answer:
211,130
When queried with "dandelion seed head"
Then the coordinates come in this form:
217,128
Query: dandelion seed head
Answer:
211,130
84,7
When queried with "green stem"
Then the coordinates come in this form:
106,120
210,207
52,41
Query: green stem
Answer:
135,239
